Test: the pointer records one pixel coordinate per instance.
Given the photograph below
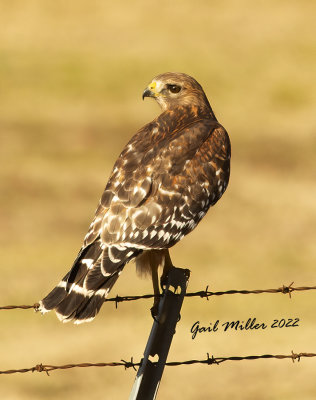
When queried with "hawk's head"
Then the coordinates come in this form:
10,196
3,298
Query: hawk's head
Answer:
176,89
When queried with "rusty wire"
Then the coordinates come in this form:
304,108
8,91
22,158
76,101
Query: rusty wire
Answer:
24,307
131,364
285,289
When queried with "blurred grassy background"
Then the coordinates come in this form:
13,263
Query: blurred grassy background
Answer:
71,78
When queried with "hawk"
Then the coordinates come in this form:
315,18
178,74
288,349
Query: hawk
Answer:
161,186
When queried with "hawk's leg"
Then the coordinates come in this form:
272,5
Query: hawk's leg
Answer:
166,268
154,276
158,258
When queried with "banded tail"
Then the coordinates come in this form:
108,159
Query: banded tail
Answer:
80,294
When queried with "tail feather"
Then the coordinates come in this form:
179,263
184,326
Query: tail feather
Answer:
88,310
95,278
68,307
56,296
87,259
91,306
80,294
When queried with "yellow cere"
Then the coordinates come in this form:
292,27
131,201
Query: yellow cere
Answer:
152,85
154,88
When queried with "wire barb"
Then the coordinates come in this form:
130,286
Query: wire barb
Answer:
288,289
130,364
206,293
211,360
40,368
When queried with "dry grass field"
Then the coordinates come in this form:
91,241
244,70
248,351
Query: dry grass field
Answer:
71,78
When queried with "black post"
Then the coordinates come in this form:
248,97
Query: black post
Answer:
150,372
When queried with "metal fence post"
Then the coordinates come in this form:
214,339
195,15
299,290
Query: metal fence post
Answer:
150,372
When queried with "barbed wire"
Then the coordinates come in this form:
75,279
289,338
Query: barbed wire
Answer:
285,289
131,364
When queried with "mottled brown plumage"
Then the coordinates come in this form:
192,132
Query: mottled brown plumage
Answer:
161,186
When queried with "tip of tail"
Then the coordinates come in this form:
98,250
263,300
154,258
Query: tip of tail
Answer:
79,305
82,301
82,321
77,321
41,308
63,318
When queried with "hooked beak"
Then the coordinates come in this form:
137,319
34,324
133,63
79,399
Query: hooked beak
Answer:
148,93
150,90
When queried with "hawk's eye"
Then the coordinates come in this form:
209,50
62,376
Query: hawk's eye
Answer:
174,88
